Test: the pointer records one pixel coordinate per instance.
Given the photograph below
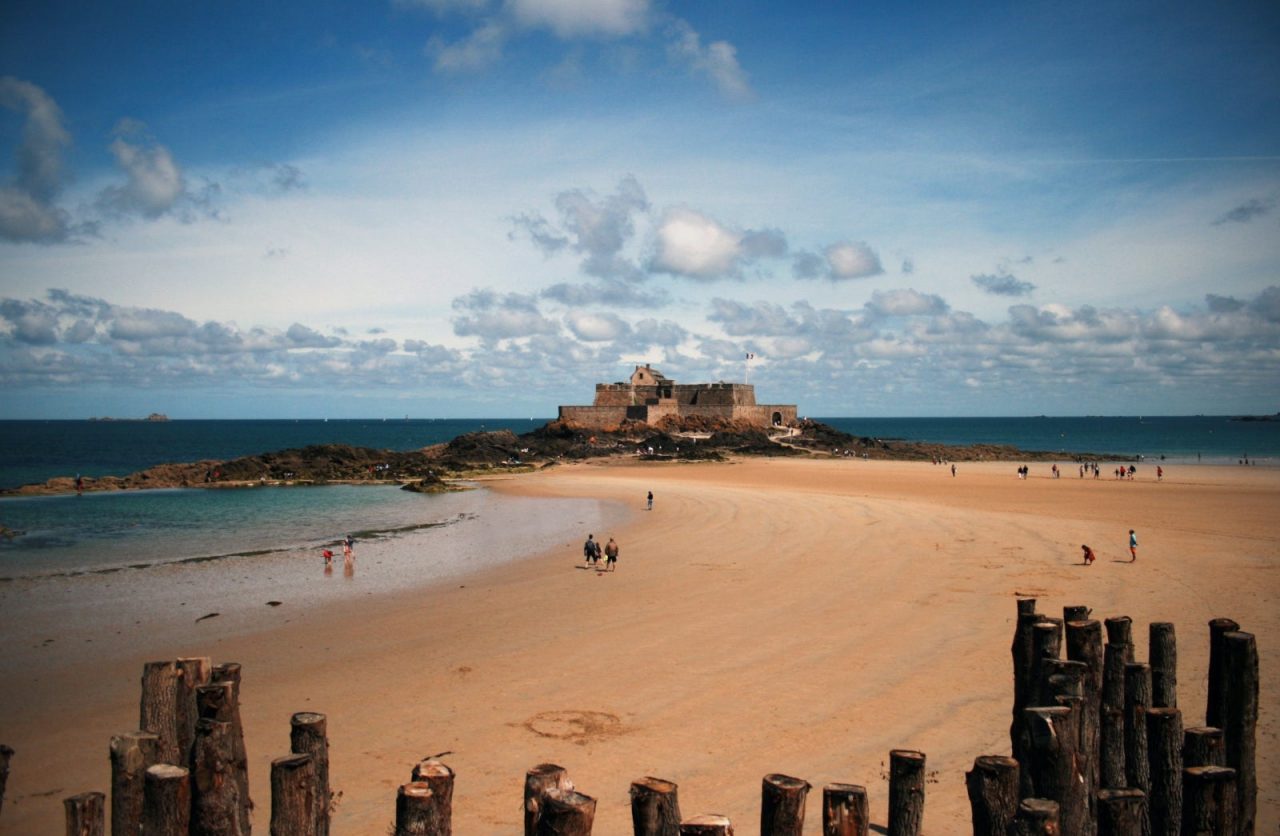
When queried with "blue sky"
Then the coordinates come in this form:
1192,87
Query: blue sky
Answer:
482,207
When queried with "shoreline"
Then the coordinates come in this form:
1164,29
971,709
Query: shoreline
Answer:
746,631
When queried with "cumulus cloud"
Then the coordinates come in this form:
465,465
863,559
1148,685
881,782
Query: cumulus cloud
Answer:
1003,284
597,227
697,246
27,202
906,302
1245,212
840,261
596,327
611,292
154,182
578,18
492,316
717,60
481,48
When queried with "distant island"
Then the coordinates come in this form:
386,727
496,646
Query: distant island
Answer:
154,417
1263,418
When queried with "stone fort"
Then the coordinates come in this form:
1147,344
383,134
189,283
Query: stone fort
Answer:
650,396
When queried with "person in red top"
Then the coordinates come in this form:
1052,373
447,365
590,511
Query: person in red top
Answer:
1089,556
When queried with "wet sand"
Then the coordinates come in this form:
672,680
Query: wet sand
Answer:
802,617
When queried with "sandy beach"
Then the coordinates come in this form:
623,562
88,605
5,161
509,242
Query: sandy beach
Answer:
794,616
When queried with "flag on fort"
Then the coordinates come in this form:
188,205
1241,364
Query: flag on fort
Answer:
751,356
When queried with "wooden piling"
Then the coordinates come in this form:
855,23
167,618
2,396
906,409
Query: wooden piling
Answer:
417,813
1209,804
707,825
1162,655
1084,645
1053,764
166,801
906,792
537,783
846,811
1137,700
229,673
86,814
1119,629
1203,746
655,807
1036,817
1240,716
160,710
566,813
308,735
193,671
439,777
1218,683
1164,748
293,796
6,754
1122,812
131,754
215,795
1023,652
1111,716
1077,612
782,800
993,794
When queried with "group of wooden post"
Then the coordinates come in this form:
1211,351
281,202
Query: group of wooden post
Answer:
1098,740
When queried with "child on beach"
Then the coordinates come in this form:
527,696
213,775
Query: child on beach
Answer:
1133,546
1088,556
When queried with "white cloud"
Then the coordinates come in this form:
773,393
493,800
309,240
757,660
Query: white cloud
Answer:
27,209
852,260
697,246
579,18
718,59
905,302
480,49
596,327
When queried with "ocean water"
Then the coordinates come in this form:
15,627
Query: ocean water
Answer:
68,534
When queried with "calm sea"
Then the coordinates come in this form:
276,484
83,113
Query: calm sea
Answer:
70,533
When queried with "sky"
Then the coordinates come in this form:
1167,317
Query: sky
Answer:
482,208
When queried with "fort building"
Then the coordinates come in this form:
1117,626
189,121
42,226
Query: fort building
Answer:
650,396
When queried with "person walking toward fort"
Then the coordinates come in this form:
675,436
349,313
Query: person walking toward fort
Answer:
650,500
1133,546
611,554
591,550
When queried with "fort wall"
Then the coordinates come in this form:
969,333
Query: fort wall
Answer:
650,397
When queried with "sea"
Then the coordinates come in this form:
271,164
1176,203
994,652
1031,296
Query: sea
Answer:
65,535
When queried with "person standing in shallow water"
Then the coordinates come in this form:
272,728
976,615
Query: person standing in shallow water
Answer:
1133,546
650,500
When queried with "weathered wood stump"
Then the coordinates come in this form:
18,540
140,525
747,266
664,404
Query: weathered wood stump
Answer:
193,671
1036,817
906,792
439,777
845,810
1119,629
782,800
1162,655
229,673
6,754
131,754
1203,746
1137,701
1026,606
1240,715
160,710
86,814
215,795
308,735
566,813
1084,645
417,813
1053,764
1218,682
1023,652
293,796
1111,717
538,781
1122,812
655,807
1209,804
1078,612
1164,748
166,801
993,794
707,825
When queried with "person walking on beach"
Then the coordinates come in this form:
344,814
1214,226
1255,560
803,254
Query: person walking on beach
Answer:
953,471
348,550
1089,556
650,500
591,550
611,554
1133,546
1159,473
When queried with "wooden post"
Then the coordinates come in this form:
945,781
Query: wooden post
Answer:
229,673
215,795
655,808
537,783
1218,683
131,754
1209,804
1240,715
417,813
845,810
1111,718
706,825
566,813
160,710
293,796
1052,765
6,752
993,794
1026,606
308,736
1203,746
1162,655
1084,645
1036,817
439,777
1164,747
1137,701
193,671
1122,812
782,800
906,792
1023,651
1075,613
166,801
1119,630
86,814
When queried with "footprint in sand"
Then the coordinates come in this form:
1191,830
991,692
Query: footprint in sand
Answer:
580,727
